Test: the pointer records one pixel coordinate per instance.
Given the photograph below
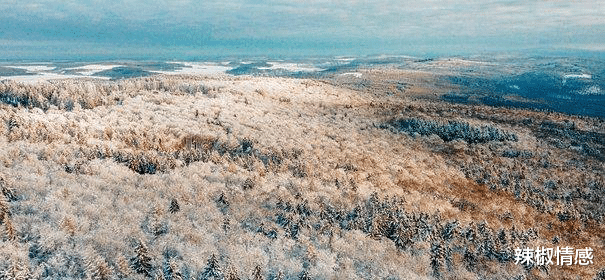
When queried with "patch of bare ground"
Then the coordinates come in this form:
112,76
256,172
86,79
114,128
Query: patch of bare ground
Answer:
227,177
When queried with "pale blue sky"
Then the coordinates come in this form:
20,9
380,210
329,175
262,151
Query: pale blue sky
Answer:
314,27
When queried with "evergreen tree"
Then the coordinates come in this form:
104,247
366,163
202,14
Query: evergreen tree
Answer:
141,263
257,274
232,274
212,270
304,275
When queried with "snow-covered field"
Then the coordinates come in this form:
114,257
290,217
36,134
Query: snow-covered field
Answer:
185,176
45,76
292,67
91,69
34,68
199,68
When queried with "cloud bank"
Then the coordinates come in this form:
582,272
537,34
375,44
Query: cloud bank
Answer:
382,25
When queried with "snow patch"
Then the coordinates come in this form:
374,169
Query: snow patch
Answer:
577,76
355,74
292,67
91,69
199,68
45,77
345,59
34,68
592,90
